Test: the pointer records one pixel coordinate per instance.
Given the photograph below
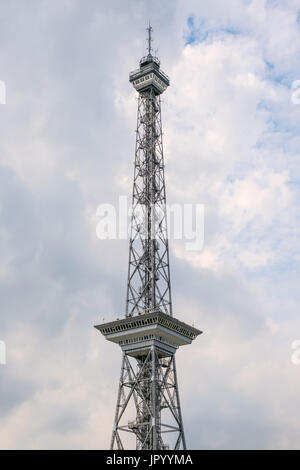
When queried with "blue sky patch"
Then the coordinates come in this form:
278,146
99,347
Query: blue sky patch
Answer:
197,30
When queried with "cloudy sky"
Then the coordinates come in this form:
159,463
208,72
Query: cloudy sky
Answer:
231,137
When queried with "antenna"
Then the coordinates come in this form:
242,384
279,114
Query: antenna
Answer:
149,39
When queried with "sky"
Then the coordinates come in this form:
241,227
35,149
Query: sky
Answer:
231,141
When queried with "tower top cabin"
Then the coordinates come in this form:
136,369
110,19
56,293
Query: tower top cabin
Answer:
149,76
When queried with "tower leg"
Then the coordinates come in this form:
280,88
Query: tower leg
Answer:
115,436
182,435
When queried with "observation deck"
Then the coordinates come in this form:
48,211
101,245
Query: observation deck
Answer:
137,334
149,75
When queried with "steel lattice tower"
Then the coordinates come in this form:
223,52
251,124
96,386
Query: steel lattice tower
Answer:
149,335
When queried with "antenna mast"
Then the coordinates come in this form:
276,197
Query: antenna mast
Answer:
149,30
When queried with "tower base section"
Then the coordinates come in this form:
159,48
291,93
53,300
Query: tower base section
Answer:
148,414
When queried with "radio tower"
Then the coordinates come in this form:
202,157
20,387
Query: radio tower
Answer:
148,406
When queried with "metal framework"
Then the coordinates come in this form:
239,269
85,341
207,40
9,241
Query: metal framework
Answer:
153,388
148,285
149,335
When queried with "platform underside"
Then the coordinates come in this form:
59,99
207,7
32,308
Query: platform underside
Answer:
142,348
